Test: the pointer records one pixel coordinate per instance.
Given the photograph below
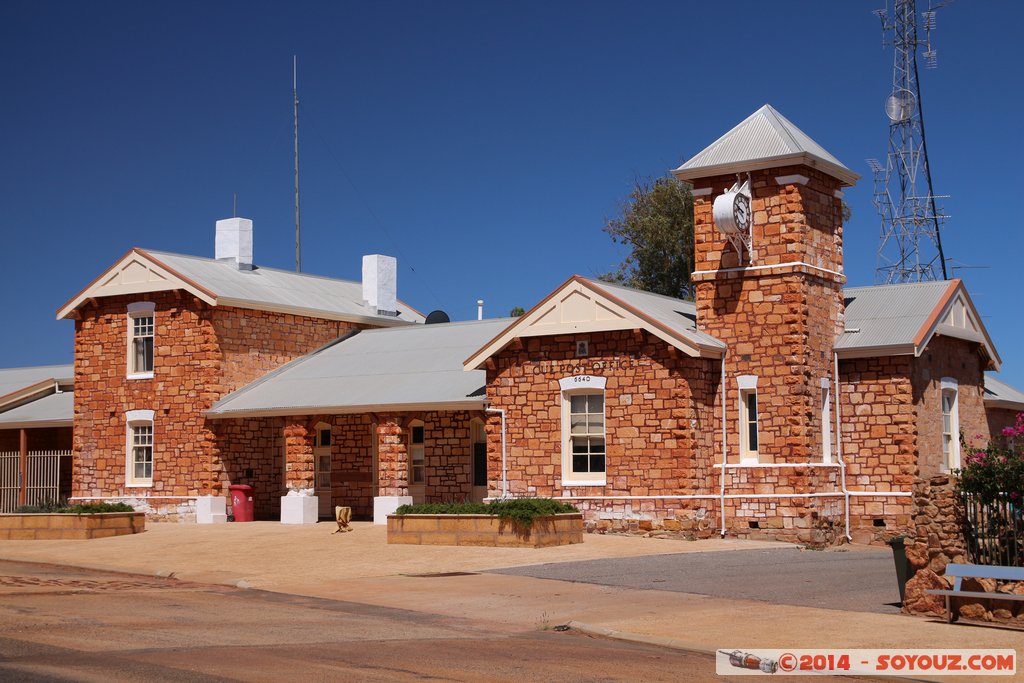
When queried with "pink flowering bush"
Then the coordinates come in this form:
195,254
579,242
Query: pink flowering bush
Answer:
997,469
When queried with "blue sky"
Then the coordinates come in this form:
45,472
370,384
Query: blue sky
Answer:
483,144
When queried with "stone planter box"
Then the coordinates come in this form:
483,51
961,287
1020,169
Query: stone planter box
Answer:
484,530
39,527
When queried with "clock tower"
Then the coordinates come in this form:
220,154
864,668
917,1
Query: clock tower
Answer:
769,280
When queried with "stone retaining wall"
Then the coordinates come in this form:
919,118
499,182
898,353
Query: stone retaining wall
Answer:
38,527
938,541
484,530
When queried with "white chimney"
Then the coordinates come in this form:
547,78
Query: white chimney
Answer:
234,242
380,283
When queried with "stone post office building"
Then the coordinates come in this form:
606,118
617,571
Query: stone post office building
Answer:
779,403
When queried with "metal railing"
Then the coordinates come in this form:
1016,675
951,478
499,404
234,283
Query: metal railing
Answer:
10,468
994,531
42,480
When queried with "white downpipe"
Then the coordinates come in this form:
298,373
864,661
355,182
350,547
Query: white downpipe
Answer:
504,471
839,444
725,452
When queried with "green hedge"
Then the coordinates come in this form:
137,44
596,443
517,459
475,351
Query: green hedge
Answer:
521,511
83,509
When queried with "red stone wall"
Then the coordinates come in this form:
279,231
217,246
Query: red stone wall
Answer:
393,456
201,353
353,480
185,382
252,343
779,319
255,444
959,359
660,423
448,455
791,222
879,442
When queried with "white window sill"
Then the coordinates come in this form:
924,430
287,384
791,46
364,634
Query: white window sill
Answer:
139,486
569,483
140,375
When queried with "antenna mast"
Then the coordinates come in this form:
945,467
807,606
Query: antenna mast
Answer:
910,249
295,103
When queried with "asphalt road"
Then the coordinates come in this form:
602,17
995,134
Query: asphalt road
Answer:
861,580
64,624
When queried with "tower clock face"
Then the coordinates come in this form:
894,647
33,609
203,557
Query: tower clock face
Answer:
741,211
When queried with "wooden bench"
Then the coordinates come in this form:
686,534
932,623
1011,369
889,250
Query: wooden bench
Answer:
977,571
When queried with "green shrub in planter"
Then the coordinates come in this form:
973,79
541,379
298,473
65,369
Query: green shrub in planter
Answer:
520,511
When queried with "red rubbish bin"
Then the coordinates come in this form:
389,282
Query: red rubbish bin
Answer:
241,502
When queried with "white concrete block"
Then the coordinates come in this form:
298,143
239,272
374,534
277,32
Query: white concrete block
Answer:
234,241
211,510
380,282
299,510
386,505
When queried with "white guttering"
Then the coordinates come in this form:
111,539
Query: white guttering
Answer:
839,445
725,459
504,476
288,411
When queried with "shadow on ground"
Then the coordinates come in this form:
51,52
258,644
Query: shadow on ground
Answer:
863,580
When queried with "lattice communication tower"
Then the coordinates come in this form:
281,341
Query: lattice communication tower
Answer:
910,249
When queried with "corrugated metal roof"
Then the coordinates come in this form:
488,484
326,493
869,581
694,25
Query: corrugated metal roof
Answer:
401,366
766,135
52,410
888,315
998,391
677,315
15,379
269,286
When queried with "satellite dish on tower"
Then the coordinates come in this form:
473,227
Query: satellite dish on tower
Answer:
900,106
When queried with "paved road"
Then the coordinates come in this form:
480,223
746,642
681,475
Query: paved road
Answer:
861,580
59,624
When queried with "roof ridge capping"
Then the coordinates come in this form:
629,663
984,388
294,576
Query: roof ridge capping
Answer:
765,139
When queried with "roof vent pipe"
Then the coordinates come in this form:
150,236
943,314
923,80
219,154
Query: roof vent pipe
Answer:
479,309
380,284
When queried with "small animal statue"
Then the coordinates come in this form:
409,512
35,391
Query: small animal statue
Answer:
343,515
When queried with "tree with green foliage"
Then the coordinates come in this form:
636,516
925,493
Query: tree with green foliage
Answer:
657,226
516,312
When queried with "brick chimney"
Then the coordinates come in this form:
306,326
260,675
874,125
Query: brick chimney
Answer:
776,300
234,242
380,284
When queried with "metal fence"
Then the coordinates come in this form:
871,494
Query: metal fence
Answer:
994,532
9,480
42,481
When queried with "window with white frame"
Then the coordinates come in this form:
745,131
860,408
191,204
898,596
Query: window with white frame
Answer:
417,455
139,455
748,418
586,433
950,425
584,454
141,325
